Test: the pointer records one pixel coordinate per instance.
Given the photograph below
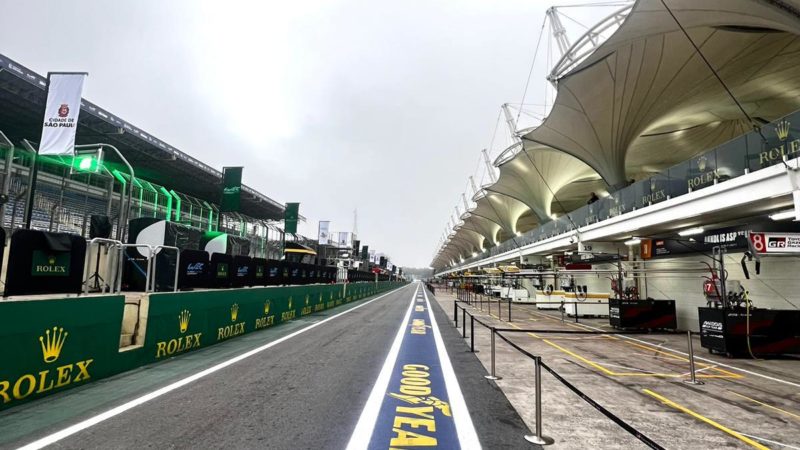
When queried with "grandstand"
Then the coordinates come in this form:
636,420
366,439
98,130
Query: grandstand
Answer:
65,201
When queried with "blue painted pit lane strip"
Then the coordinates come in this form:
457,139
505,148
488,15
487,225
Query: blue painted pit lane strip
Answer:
416,400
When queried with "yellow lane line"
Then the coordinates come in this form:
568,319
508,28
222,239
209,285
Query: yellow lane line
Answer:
716,425
654,348
580,358
796,416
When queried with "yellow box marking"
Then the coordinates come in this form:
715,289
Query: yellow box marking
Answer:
796,416
714,424
652,348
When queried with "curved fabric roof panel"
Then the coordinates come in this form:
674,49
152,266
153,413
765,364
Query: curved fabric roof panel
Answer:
464,245
500,209
532,175
473,237
482,226
647,79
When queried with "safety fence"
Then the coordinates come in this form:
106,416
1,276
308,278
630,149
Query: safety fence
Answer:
538,437
48,346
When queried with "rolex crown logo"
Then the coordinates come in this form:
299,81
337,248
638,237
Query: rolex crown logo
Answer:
267,305
51,259
234,312
307,299
782,129
701,163
290,302
52,343
183,320
652,184
320,297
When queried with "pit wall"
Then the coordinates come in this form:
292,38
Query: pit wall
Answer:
47,346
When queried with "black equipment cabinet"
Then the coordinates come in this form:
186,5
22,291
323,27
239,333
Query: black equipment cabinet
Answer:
642,314
193,270
771,331
276,272
243,271
41,262
259,272
220,272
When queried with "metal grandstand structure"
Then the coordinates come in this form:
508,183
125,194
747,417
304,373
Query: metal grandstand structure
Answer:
173,185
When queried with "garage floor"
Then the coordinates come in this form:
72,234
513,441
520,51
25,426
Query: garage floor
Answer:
742,403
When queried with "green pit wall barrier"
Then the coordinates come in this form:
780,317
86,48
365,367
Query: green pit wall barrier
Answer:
47,346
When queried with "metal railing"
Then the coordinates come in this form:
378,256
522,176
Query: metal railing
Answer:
150,273
538,437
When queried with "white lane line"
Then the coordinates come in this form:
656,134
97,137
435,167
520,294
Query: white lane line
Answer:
769,441
362,433
465,429
720,364
69,431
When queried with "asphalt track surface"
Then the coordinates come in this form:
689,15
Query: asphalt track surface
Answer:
307,391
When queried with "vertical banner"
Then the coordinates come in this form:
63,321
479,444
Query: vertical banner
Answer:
365,252
61,113
290,215
231,189
324,234
356,247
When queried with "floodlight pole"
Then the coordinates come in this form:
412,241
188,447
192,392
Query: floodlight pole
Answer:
9,146
124,212
34,172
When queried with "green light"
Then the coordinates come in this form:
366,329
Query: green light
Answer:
86,163
87,160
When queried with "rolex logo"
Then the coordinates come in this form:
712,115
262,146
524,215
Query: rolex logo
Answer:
51,260
183,320
701,163
52,343
320,297
782,129
234,312
290,302
267,305
652,184
307,299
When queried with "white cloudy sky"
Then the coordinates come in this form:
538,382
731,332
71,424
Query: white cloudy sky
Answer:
340,104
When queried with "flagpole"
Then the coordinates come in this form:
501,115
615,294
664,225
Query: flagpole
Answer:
34,174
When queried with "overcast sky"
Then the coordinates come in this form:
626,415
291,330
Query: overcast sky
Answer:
340,104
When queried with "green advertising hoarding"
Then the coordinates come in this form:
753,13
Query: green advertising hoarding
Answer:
47,346
231,189
185,321
290,215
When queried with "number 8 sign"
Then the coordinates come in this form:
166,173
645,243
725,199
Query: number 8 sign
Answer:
758,242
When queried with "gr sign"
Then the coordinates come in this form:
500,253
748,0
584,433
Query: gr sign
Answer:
775,243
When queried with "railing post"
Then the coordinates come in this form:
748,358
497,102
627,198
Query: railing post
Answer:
493,374
693,380
455,312
509,310
576,310
463,323
472,333
538,438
